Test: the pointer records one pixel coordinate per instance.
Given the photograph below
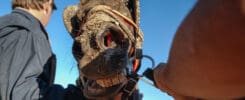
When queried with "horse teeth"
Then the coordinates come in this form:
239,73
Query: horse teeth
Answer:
119,78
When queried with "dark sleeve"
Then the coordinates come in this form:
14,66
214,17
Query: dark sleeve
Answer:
22,60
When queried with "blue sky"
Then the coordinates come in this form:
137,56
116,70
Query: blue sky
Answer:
159,20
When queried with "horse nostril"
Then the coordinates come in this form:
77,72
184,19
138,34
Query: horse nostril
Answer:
108,39
112,38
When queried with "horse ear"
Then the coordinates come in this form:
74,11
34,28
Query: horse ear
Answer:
70,20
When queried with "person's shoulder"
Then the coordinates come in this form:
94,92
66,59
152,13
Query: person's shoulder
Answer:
5,16
10,24
13,33
4,19
11,37
12,19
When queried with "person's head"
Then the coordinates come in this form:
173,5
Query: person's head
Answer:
42,9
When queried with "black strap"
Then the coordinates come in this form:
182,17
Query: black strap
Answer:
148,73
139,54
130,86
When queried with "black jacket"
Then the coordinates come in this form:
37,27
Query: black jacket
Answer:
27,63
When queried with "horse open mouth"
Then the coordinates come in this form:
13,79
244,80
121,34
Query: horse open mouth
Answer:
104,88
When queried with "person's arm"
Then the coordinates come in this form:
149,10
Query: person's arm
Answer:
207,55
